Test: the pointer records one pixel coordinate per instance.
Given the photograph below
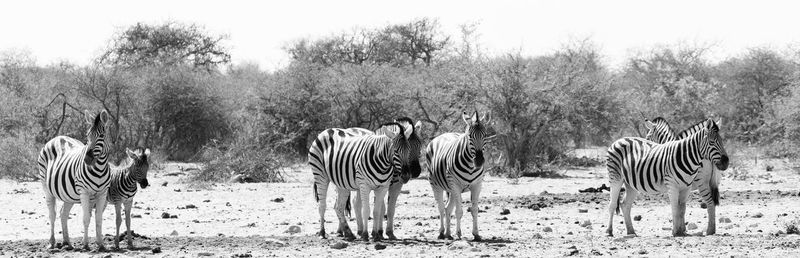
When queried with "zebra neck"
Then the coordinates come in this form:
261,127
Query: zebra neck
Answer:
100,165
692,147
126,177
463,153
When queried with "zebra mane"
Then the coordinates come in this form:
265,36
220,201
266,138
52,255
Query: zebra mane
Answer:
659,120
402,130
693,128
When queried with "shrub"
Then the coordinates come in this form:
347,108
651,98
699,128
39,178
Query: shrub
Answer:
18,155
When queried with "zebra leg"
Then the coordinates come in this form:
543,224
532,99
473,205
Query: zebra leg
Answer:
475,193
613,205
343,197
128,232
65,209
712,223
86,206
377,223
51,209
100,207
438,196
118,220
456,198
394,193
364,209
451,203
627,204
359,221
676,199
321,194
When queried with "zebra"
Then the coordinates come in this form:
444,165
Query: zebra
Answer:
337,154
455,162
706,182
123,188
645,166
76,173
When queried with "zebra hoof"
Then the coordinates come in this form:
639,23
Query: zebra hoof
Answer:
321,234
86,247
66,246
101,248
365,237
377,236
477,238
390,235
348,235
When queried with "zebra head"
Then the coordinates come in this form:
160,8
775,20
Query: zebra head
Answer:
406,147
96,146
714,146
659,130
476,134
139,165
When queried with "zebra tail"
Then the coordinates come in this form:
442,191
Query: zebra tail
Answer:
619,196
347,207
316,196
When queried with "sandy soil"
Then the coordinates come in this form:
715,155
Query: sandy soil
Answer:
243,220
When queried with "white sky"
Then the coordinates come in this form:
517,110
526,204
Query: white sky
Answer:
76,31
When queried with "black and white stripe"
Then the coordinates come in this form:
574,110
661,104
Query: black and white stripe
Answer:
123,188
645,166
455,162
76,173
354,157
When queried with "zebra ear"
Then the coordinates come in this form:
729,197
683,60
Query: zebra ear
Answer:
408,129
147,152
88,117
649,124
719,122
418,127
130,153
487,117
466,117
391,132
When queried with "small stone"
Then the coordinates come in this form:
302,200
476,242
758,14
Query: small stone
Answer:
173,216
569,233
339,245
380,246
724,220
164,183
165,215
174,233
642,251
405,192
586,223
136,216
536,236
205,254
157,250
278,200
637,218
547,229
273,241
206,200
294,229
583,210
228,204
691,226
757,215
503,218
505,212
474,249
191,206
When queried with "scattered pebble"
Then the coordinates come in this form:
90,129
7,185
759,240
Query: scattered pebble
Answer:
474,249
206,200
380,246
294,229
174,233
136,216
642,251
724,220
586,224
547,229
164,183
228,204
157,250
637,218
757,215
339,245
419,223
190,206
505,212
536,236
205,254
273,241
405,192
583,210
165,215
691,226
503,218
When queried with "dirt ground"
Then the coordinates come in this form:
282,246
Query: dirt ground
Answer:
548,217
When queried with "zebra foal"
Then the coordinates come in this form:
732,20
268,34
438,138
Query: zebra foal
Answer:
123,188
76,173
645,166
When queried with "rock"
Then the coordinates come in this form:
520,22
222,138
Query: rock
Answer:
164,183
503,218
586,224
583,210
505,212
190,206
228,204
156,250
174,233
691,226
205,254
165,215
637,218
572,250
380,246
405,192
536,236
294,229
419,223
136,216
724,220
547,229
173,216
757,215
278,200
474,249
460,244
642,251
206,200
569,233
339,245
275,242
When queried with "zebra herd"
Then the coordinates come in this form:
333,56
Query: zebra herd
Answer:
382,161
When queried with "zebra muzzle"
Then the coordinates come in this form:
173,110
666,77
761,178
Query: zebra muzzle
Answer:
722,164
479,158
143,183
